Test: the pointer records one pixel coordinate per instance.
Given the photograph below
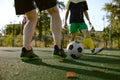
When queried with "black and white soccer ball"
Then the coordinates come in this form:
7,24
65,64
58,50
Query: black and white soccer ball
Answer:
75,49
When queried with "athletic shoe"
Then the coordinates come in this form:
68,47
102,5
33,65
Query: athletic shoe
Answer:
97,50
58,53
27,55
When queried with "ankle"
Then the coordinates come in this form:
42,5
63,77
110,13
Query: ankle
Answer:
92,50
59,47
27,49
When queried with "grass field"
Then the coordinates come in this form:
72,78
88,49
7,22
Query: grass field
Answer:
103,66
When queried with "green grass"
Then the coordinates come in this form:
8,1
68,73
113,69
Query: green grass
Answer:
108,62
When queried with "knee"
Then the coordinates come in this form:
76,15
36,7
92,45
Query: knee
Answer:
53,11
87,35
32,16
33,19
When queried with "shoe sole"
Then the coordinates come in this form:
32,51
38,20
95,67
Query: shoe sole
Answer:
98,51
28,59
57,56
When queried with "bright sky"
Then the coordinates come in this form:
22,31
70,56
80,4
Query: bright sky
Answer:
7,13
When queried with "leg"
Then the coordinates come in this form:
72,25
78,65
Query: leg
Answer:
73,29
56,26
89,43
73,37
29,28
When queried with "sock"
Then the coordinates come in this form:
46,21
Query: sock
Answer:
88,42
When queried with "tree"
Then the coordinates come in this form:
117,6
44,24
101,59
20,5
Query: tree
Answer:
113,17
13,29
43,24
105,36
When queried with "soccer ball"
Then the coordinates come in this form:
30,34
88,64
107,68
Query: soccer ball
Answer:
75,49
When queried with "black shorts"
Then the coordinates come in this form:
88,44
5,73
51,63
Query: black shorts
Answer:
23,6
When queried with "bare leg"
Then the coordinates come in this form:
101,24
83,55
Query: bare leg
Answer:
73,37
29,28
56,26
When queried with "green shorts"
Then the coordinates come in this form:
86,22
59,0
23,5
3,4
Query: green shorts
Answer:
75,27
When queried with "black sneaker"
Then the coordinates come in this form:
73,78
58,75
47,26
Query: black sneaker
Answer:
58,53
27,55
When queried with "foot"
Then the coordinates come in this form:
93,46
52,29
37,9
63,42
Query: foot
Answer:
27,55
97,50
58,53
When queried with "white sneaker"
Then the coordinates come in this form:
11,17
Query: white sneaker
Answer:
97,50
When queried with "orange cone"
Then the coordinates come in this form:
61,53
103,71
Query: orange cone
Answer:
70,75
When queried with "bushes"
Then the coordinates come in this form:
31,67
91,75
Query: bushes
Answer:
10,41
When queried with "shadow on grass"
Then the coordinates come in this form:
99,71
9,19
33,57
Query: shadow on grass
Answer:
88,65
109,55
1,77
101,59
90,73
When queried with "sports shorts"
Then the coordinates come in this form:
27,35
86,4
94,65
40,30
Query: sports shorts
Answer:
23,6
75,27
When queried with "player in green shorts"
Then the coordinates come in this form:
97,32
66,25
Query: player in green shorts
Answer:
77,10
28,8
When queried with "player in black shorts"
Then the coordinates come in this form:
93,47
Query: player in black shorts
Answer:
27,7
